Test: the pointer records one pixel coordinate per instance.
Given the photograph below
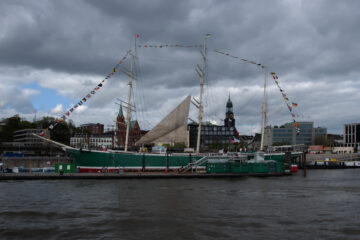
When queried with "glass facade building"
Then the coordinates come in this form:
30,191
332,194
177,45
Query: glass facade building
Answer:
286,134
352,135
210,134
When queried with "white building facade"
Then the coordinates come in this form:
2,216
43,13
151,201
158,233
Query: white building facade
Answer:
98,141
352,135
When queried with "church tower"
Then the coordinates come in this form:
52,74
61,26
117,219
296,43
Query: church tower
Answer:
120,128
229,120
134,133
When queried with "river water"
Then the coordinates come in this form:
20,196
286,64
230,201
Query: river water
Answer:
324,205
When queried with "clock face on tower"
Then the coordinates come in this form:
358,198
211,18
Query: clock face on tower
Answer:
230,120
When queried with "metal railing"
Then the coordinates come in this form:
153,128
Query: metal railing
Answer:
195,164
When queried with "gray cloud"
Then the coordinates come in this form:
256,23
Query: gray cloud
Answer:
12,98
312,46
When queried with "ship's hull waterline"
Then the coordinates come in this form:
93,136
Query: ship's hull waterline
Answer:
108,161
99,161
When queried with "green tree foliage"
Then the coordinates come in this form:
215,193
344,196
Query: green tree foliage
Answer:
13,124
61,133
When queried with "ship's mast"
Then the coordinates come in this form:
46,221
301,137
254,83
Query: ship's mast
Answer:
263,112
202,77
128,112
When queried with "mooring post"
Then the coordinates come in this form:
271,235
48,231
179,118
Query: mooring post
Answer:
300,161
304,163
287,161
143,162
167,162
190,161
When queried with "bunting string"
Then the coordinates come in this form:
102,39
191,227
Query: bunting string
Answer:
275,77
238,58
169,46
88,95
287,102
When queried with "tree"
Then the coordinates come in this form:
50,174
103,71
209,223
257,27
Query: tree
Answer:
13,124
61,133
45,122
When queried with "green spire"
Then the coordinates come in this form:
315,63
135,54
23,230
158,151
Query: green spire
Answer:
120,114
229,103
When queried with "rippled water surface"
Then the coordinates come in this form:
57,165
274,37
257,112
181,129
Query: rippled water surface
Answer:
324,205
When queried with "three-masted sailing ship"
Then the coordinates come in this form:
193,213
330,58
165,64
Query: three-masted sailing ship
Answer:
172,129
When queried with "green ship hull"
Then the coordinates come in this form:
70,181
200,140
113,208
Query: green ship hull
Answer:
109,161
99,161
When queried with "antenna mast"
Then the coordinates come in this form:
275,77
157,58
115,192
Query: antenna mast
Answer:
263,112
201,72
128,112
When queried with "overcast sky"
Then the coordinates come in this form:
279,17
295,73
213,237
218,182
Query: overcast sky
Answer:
52,53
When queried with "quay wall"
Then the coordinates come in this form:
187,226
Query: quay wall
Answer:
338,157
33,161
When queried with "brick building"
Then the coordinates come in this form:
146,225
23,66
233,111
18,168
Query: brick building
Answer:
92,128
134,133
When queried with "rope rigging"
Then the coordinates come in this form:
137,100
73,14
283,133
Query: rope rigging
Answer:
140,96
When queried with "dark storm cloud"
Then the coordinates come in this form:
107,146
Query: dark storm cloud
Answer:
304,42
89,35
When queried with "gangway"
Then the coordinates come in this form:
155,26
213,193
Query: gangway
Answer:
195,164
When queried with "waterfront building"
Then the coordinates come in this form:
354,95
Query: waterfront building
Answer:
93,141
352,135
26,138
26,144
92,128
134,133
335,139
287,148
229,120
212,134
287,135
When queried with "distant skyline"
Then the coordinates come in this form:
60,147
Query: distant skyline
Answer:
55,52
